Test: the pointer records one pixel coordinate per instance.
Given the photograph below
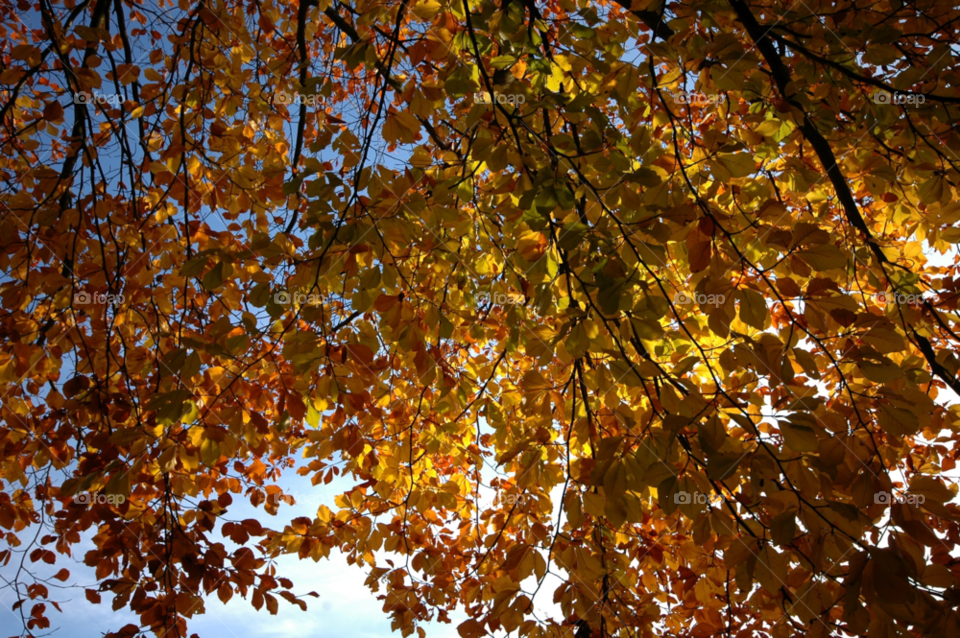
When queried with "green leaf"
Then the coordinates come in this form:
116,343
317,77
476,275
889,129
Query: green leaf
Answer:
753,308
897,421
571,235
191,366
799,438
823,257
783,528
194,267
722,466
446,328
738,164
214,279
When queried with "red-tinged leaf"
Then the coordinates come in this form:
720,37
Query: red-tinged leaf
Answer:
724,319
360,353
266,24
385,302
36,590
53,111
699,251
293,600
295,407
471,628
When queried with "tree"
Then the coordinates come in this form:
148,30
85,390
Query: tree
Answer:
678,281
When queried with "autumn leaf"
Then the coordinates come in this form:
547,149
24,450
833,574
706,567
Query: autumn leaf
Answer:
648,310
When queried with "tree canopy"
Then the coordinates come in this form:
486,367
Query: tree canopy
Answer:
677,281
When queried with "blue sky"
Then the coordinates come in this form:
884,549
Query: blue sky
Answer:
345,606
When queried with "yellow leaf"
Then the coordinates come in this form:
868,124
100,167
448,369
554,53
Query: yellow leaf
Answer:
426,9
